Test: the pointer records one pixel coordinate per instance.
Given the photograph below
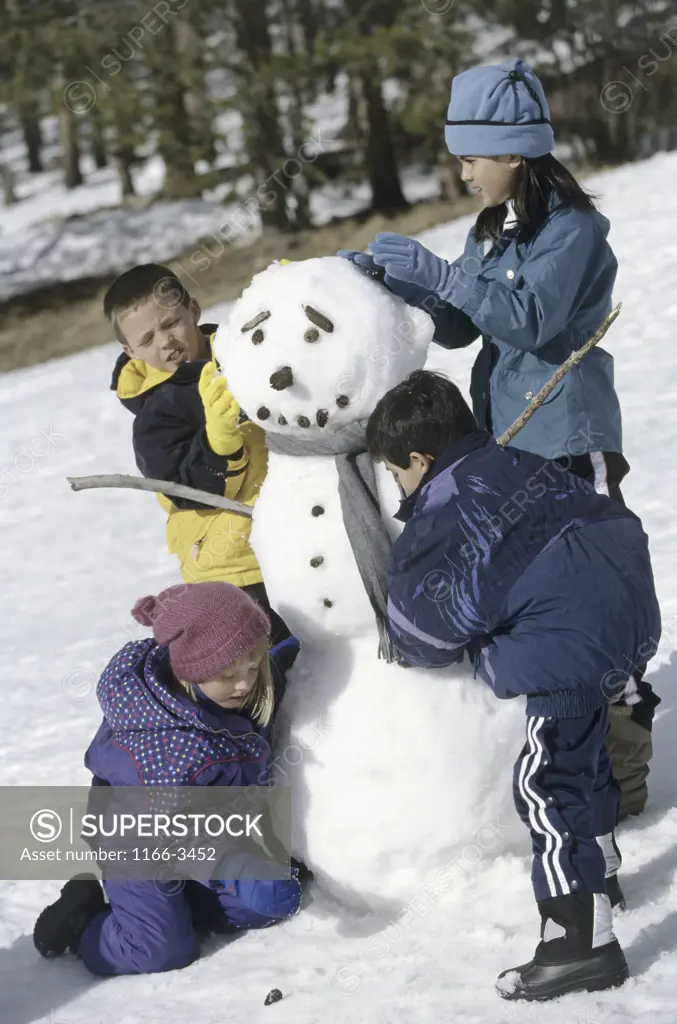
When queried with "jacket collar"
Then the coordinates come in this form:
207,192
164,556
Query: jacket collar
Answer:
133,378
450,457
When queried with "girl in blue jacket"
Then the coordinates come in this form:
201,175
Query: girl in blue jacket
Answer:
192,707
534,283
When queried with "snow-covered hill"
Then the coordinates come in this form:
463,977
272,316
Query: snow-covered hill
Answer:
72,565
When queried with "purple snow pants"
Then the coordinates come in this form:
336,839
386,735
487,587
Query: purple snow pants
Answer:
152,926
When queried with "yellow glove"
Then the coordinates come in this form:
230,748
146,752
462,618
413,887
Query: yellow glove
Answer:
221,412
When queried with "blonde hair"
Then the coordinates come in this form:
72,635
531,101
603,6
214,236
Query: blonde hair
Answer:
260,701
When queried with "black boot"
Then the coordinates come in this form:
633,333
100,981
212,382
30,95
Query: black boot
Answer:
62,924
577,952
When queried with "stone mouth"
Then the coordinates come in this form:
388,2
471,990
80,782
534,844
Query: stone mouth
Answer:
320,418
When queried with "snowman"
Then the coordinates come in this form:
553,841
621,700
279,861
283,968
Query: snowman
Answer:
395,771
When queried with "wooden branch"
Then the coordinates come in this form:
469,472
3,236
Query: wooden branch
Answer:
140,483
557,376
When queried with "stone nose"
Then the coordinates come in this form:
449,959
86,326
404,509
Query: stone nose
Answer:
282,378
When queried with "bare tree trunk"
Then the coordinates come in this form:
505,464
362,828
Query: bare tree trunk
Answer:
191,50
381,160
452,186
263,137
98,143
308,20
123,164
68,131
172,121
7,179
70,148
32,133
298,95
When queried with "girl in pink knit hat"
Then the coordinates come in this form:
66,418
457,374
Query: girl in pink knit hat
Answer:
193,706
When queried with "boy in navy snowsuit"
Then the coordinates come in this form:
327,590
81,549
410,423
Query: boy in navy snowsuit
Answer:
548,587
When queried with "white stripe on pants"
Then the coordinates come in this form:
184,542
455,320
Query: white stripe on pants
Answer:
598,462
538,816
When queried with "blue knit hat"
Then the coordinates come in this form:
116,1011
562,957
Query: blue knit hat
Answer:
497,110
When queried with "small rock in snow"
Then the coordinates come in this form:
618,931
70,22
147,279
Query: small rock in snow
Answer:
273,996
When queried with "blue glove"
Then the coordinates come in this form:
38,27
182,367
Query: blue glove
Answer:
361,259
284,653
411,293
407,260
270,898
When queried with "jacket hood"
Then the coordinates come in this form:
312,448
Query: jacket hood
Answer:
134,379
135,695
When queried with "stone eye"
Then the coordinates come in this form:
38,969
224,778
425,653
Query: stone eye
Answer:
263,413
342,401
311,335
257,337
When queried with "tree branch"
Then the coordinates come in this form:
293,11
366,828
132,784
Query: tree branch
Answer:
139,483
549,386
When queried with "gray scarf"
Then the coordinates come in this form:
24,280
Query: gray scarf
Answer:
361,515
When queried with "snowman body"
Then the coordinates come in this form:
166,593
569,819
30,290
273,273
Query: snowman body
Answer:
394,770
310,572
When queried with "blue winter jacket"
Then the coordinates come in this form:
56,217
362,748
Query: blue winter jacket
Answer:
534,303
547,584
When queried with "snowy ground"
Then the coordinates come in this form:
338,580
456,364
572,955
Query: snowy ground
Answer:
73,565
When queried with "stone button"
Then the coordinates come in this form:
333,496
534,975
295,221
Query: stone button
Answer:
327,603
317,510
317,560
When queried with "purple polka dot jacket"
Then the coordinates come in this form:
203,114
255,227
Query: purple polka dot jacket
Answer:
153,735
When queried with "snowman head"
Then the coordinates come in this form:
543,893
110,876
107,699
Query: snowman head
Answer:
312,346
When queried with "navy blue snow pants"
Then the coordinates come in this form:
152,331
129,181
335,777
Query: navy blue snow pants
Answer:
566,795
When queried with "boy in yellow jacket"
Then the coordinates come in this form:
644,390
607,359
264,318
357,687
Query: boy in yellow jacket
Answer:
188,427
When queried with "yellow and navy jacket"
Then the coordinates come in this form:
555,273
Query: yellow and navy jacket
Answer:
170,443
